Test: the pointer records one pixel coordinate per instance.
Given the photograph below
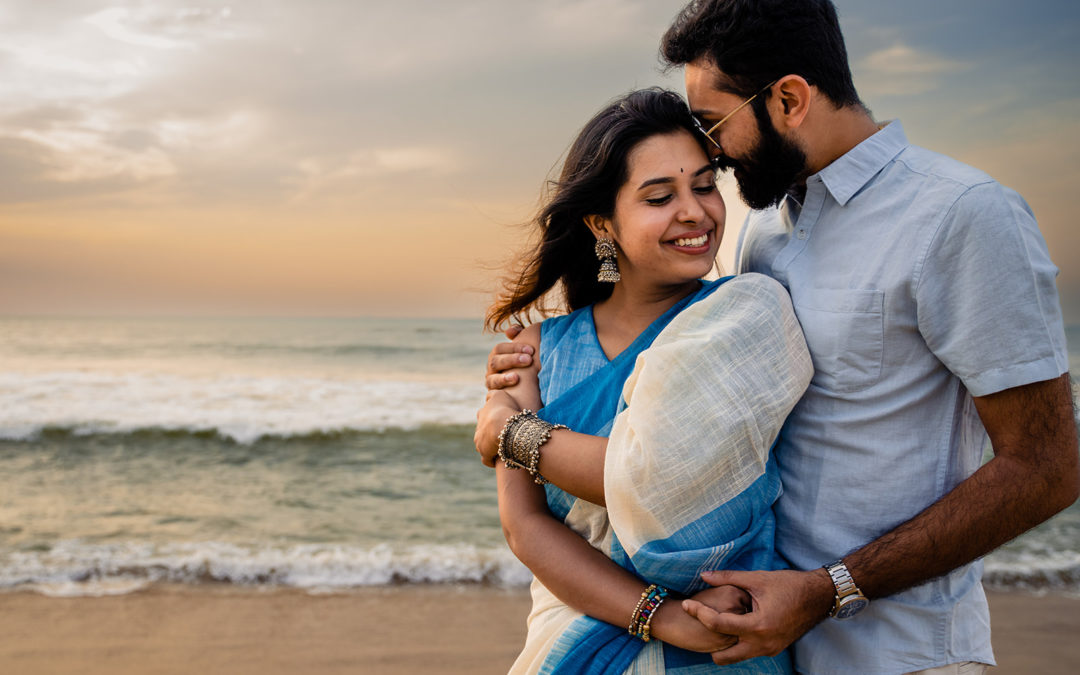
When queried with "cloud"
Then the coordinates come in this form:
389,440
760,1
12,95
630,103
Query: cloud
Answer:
35,173
317,178
902,70
276,101
163,28
115,22
83,155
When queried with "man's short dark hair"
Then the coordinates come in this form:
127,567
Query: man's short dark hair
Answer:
754,42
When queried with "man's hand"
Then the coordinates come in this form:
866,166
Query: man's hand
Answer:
507,356
490,421
784,605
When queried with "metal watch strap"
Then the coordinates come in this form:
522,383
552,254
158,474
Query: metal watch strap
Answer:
843,583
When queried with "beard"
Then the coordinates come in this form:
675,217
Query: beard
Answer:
771,168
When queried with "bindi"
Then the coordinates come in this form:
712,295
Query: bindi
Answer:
681,170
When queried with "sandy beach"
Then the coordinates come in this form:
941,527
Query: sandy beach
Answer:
451,630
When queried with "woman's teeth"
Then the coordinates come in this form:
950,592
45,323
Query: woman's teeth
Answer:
693,243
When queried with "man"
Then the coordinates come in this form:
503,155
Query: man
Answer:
928,301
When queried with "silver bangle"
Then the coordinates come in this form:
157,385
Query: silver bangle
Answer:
520,441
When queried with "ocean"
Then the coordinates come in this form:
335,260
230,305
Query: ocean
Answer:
319,454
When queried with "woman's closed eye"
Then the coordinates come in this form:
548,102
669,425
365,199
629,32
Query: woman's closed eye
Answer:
664,199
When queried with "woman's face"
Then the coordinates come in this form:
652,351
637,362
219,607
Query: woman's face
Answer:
669,216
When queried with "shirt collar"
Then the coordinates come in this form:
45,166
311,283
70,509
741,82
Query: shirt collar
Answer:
854,169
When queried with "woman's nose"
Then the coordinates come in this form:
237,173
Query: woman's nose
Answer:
692,211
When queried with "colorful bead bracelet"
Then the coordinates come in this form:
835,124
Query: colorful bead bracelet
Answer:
641,622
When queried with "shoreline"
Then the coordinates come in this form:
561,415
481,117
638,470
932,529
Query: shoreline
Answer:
395,630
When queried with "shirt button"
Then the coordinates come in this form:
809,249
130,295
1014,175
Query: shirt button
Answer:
802,234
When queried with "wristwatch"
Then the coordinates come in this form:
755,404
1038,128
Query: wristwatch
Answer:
849,600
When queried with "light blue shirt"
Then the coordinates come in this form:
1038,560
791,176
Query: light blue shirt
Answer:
919,283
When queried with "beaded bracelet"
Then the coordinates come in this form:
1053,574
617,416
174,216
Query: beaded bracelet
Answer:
641,622
520,441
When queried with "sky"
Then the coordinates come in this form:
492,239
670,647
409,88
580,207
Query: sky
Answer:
352,157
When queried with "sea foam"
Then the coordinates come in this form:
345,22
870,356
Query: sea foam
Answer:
243,408
76,568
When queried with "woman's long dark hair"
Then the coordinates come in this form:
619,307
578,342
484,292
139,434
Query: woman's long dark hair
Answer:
594,170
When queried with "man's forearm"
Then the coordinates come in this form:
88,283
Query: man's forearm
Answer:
993,506
1033,475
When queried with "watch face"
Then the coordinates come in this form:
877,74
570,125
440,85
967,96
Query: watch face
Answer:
851,607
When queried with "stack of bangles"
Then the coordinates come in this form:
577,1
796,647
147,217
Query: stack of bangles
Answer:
651,599
520,441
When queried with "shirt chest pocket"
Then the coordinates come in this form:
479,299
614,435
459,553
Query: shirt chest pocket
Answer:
844,330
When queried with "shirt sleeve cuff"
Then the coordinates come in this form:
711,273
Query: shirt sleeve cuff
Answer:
1016,375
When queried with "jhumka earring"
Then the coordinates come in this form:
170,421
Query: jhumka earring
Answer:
605,252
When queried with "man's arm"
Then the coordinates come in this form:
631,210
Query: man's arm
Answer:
1034,474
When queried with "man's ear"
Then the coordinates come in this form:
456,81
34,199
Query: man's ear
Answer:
792,94
600,227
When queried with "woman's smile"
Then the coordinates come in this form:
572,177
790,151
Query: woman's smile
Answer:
693,243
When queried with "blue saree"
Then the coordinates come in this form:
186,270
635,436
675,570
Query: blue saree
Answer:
691,409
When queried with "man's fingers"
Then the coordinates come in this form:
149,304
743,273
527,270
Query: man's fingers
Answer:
738,652
511,347
703,613
504,358
499,381
739,578
498,363
726,623
512,331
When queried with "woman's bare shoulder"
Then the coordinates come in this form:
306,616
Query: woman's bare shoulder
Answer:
530,335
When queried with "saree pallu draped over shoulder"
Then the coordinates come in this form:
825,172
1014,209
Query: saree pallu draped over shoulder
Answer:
691,409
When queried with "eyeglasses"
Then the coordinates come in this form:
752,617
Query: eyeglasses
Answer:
708,134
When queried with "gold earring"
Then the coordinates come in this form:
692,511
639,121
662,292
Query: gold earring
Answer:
609,269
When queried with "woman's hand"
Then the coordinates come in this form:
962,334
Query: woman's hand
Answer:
726,598
490,421
674,626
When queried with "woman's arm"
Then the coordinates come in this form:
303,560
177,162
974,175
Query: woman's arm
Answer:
573,461
578,574
583,577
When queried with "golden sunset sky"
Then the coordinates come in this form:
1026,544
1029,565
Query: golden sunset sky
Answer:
348,158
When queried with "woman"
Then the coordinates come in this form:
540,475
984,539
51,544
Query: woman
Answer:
673,391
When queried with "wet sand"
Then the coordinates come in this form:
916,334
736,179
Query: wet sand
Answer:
451,630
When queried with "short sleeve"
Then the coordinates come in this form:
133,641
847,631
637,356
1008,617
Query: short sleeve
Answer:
986,296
